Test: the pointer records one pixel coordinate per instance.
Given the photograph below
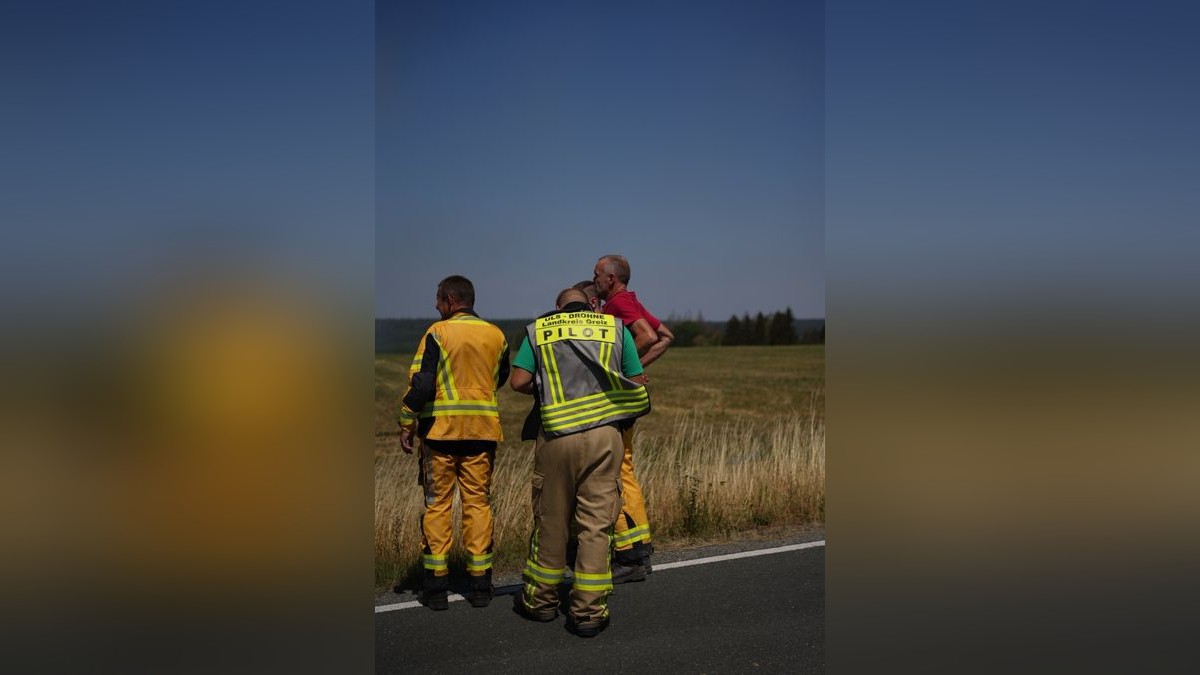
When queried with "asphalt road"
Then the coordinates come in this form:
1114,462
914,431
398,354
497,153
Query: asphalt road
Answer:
763,614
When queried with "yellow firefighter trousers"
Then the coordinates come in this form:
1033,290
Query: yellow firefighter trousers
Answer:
632,525
573,476
473,476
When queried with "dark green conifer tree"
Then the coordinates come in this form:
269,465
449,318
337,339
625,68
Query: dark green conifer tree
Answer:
733,332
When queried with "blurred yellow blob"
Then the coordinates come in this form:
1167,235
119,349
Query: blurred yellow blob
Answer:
243,427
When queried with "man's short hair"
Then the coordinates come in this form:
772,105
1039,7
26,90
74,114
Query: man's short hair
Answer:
569,295
457,288
588,287
618,265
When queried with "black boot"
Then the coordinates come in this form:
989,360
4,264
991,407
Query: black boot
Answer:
627,566
481,591
435,592
645,549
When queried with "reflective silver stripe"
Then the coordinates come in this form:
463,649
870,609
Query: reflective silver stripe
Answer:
593,582
544,574
440,407
631,535
596,411
583,401
466,405
445,373
553,378
605,414
606,350
479,562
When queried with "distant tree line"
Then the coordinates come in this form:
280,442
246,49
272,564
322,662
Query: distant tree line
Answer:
393,336
691,330
813,336
779,329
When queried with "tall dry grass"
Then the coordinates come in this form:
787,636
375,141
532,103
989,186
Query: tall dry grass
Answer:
712,479
704,480
399,504
713,462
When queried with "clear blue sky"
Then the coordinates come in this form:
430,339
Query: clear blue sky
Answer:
145,137
519,141
974,150
1016,154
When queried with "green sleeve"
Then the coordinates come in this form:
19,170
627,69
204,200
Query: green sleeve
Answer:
524,358
630,364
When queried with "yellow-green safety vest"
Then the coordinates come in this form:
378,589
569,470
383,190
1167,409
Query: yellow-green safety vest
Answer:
579,378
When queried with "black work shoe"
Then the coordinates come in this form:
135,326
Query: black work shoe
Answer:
541,616
587,629
435,600
647,551
480,597
626,573
480,591
628,557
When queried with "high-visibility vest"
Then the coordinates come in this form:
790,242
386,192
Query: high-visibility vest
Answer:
464,407
579,379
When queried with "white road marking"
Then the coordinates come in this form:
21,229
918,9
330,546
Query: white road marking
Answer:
735,556
455,597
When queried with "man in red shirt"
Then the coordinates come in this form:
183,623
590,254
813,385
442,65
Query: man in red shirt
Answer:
631,532
652,337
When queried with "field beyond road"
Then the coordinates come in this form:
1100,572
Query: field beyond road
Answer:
734,444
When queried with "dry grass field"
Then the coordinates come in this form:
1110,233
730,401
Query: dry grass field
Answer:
734,444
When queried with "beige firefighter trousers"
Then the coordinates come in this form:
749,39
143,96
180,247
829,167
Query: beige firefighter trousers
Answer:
574,477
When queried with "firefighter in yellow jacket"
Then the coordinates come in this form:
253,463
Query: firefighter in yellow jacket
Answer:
582,367
451,407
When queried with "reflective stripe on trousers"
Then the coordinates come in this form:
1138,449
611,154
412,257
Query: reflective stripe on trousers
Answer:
633,502
472,475
575,477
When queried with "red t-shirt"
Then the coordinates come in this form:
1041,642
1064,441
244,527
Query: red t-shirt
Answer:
625,306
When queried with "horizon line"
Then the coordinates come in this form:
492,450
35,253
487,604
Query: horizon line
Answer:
530,318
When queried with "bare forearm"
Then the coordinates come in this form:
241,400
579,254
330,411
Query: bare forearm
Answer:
643,336
656,350
521,381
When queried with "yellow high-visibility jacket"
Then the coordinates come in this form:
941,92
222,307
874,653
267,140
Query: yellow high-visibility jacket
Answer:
459,365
